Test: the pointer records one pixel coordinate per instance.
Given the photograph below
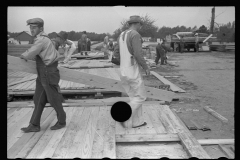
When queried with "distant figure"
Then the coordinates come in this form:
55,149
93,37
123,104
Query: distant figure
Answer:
161,50
79,45
88,44
196,42
181,45
110,46
84,42
105,42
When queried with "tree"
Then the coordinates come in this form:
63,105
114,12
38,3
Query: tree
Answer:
202,29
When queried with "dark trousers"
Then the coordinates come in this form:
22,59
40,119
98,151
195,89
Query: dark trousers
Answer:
197,46
84,48
181,48
79,48
47,90
160,55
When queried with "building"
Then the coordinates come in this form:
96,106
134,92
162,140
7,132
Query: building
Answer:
24,37
146,39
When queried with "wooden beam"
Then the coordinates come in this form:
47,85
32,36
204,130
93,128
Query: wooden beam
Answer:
16,63
173,87
226,151
207,38
147,138
215,114
215,141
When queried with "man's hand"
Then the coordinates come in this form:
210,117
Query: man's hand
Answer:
147,72
66,60
22,57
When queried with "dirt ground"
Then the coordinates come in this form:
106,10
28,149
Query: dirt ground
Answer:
208,79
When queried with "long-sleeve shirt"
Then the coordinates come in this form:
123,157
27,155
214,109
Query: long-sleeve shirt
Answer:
134,46
43,47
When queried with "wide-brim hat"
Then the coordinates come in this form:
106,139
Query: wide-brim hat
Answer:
135,19
63,35
35,22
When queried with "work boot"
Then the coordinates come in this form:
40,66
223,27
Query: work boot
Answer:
58,126
31,128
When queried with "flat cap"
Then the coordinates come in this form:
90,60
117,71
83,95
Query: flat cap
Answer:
35,21
63,35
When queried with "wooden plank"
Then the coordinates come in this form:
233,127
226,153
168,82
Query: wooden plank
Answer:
68,136
19,144
14,132
216,141
120,129
16,117
84,150
81,126
215,114
109,147
10,111
148,138
100,134
27,86
226,151
163,118
58,134
35,138
155,121
43,142
188,141
113,73
173,87
232,148
10,115
89,79
63,85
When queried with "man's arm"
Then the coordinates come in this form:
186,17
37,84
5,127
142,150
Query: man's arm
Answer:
33,51
137,51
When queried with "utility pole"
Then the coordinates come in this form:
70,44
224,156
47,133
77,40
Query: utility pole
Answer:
212,20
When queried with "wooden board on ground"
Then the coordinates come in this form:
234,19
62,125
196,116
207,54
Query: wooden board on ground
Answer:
173,87
16,63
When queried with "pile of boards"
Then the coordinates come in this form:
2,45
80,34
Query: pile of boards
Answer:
217,47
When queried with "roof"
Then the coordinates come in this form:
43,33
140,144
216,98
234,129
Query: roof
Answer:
25,32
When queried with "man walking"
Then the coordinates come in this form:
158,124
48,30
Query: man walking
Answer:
196,42
130,59
47,88
160,51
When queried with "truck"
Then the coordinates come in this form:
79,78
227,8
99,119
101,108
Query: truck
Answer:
189,39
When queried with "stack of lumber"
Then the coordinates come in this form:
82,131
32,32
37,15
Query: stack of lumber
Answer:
218,47
230,47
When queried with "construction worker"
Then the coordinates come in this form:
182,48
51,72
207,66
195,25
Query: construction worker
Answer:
161,50
181,44
105,42
130,61
68,46
79,45
88,44
84,42
196,42
47,88
110,46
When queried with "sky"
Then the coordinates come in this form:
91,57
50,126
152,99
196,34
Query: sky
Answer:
108,19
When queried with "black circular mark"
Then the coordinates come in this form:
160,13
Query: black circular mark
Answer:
121,111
